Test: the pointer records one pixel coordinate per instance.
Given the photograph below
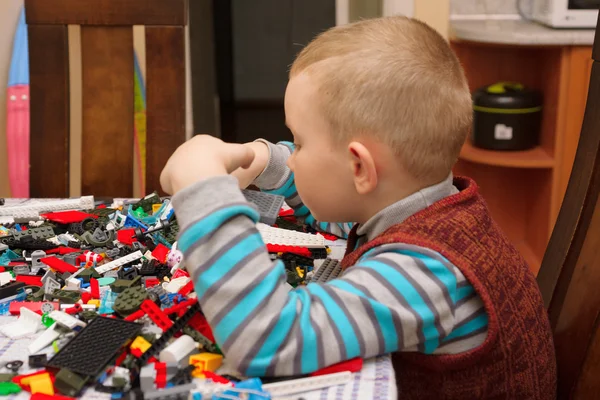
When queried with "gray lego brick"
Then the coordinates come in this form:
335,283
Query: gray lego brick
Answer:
172,393
268,205
329,270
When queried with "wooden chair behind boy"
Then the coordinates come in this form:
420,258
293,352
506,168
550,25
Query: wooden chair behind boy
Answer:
107,64
570,273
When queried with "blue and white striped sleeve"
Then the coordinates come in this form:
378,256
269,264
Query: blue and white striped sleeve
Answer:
393,300
277,178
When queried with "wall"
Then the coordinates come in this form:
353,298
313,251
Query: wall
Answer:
435,13
9,15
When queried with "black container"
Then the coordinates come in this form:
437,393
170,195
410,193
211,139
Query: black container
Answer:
506,116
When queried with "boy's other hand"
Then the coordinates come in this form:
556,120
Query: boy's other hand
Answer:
246,176
202,157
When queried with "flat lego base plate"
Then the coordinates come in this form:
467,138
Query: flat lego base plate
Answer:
95,346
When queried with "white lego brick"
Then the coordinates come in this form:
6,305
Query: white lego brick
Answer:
5,220
290,387
178,350
44,340
5,277
30,210
64,319
176,284
271,235
119,261
73,284
28,323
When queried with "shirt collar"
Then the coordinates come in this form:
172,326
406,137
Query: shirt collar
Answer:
401,210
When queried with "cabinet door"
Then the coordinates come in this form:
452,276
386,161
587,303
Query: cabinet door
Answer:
579,67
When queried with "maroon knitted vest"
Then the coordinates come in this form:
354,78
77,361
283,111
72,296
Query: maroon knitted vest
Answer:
516,360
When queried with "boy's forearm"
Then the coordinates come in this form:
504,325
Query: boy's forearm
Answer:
276,173
261,326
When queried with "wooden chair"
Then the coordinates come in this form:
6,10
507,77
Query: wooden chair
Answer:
108,91
570,273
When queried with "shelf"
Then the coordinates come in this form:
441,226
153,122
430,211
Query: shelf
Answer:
534,158
527,252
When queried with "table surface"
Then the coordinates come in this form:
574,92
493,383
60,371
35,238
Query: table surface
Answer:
376,380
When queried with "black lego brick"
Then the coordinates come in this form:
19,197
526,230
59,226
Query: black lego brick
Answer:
268,205
95,346
163,340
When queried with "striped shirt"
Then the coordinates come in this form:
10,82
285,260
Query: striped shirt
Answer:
397,297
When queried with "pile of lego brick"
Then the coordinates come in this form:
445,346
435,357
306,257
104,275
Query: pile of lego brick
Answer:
107,287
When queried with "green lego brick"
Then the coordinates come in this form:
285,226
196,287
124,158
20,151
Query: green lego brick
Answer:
130,300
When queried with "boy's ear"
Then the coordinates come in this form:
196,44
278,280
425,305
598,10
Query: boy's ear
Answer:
364,172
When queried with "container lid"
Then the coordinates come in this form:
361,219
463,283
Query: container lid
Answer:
507,95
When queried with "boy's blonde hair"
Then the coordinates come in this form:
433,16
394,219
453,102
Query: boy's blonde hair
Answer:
395,78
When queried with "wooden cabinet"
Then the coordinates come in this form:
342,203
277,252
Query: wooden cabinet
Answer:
524,189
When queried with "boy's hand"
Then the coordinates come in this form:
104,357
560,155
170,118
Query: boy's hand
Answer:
246,176
202,157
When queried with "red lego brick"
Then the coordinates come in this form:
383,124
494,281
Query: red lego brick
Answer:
67,217
85,297
161,375
160,253
179,273
62,251
59,265
156,315
88,257
41,396
35,306
352,365
126,236
286,213
199,323
32,280
277,248
214,377
121,358
94,288
151,282
76,309
179,307
328,236
184,291
135,316
2,269
137,353
16,264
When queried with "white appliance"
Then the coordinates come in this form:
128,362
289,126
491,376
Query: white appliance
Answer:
565,13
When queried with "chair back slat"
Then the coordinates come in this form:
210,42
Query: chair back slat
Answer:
49,110
165,106
108,105
107,12
108,111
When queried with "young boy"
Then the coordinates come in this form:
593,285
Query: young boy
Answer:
379,110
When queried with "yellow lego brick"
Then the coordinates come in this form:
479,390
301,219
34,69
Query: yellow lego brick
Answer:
141,344
95,302
300,272
155,208
198,373
206,362
41,384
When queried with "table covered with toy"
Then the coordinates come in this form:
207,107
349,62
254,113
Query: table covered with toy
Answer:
95,302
